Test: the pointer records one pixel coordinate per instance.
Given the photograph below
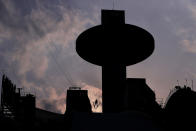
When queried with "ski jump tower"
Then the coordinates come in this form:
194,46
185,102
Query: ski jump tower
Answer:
114,45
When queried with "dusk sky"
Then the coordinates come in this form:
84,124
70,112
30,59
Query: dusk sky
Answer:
37,45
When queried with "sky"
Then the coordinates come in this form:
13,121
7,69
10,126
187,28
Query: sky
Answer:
37,45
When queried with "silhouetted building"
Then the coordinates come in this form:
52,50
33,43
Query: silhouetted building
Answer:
77,100
17,106
140,97
115,45
180,109
8,95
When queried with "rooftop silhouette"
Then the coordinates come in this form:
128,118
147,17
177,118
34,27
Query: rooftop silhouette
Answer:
180,109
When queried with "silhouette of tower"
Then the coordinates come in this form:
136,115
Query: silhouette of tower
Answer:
114,45
77,100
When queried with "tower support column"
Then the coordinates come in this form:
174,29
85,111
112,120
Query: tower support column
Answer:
113,87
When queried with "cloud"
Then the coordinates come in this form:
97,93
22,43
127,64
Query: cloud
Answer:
189,46
54,102
94,94
38,44
186,28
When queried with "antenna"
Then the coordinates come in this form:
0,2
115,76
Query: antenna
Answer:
178,83
186,82
192,84
113,5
